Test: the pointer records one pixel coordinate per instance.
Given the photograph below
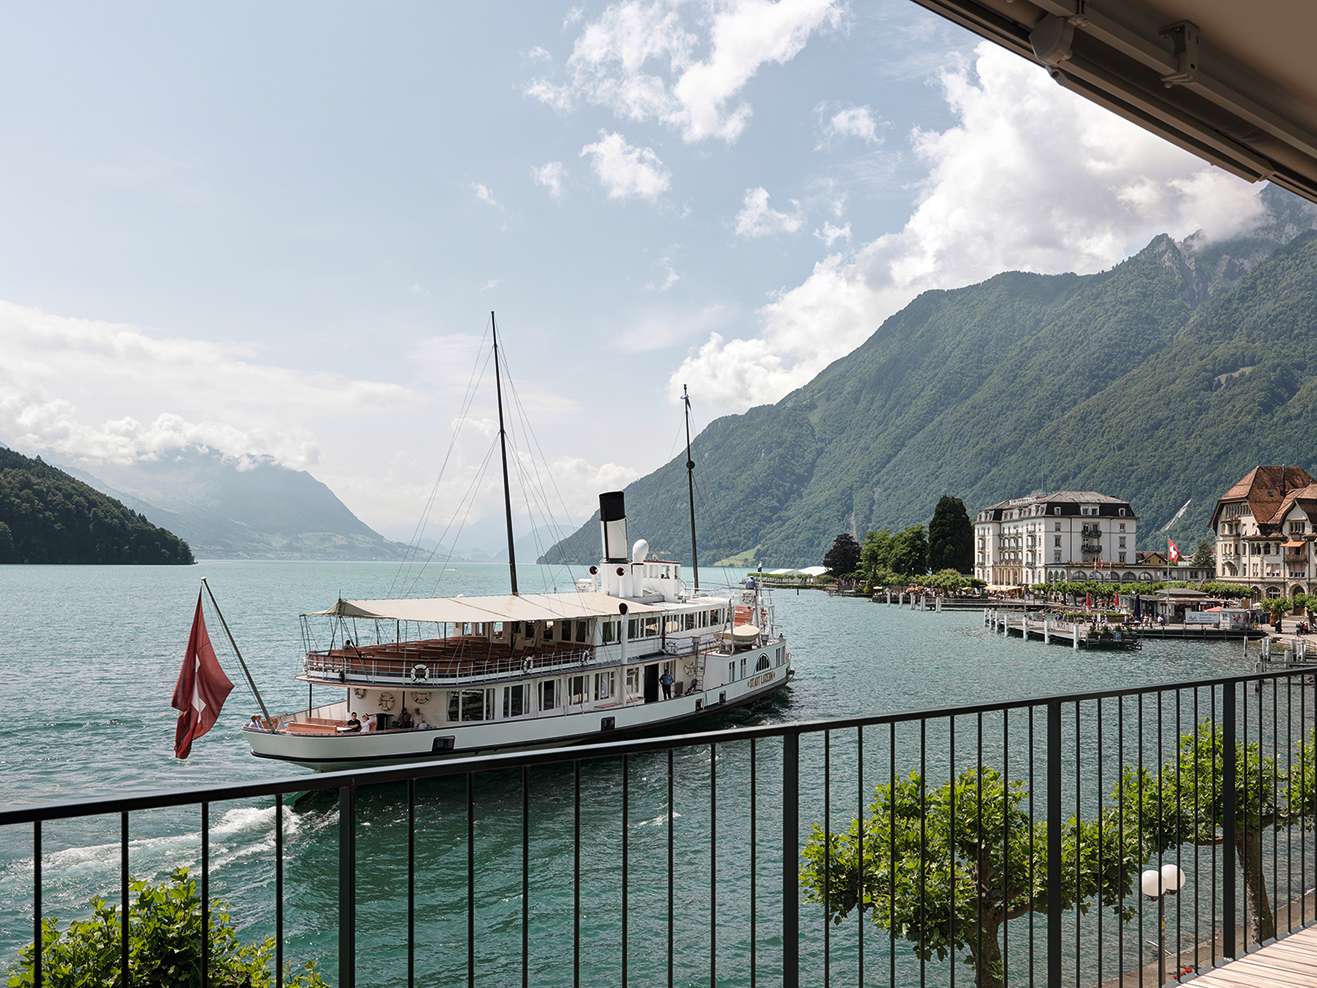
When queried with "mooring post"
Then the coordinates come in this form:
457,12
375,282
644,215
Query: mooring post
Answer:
1047,631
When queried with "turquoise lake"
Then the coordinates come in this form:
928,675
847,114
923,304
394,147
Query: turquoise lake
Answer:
89,656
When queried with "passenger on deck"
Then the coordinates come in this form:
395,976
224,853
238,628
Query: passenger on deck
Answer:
421,725
353,725
405,719
256,723
368,724
666,682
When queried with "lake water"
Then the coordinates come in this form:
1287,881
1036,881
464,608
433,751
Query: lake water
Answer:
89,656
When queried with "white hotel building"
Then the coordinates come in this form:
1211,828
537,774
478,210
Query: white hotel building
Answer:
1066,535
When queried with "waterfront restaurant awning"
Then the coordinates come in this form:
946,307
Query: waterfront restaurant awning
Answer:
1294,544
478,610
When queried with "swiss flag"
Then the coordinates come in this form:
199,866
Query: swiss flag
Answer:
201,689
1173,552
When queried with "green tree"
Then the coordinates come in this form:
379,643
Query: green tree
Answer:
1184,804
1205,556
950,536
910,551
164,945
876,554
985,857
844,556
7,552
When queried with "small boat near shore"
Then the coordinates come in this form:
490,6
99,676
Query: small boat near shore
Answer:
632,648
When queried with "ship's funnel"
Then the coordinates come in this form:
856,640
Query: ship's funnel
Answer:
612,526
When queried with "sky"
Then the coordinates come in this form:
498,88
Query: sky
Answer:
279,230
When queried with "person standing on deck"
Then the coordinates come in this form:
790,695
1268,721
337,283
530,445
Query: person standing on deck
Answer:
666,682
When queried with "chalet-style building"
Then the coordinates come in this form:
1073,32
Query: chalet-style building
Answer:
1047,537
1266,532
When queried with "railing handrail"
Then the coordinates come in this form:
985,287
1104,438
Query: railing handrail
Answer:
462,765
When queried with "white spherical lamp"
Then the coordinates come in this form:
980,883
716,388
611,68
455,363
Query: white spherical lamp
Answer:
1151,883
1172,878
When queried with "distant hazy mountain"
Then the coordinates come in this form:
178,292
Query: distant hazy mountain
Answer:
1162,380
48,516
225,509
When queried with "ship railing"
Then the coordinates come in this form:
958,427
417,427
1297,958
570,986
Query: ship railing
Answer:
367,669
1068,797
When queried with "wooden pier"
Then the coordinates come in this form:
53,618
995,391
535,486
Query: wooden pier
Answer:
1055,631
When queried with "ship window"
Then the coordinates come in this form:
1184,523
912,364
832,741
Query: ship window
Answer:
464,705
549,694
514,700
690,621
632,682
651,627
579,691
632,629
762,664
731,671
610,632
743,667
603,685
548,631
673,624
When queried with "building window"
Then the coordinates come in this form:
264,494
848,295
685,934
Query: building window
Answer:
1056,511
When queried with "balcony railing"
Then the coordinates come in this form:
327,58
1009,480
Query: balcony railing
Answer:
1015,830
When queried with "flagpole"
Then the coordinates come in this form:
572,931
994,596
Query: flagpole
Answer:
251,683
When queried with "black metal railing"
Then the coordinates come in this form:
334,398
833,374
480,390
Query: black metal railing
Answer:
918,833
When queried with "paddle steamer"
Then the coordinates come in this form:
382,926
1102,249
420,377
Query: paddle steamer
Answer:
633,648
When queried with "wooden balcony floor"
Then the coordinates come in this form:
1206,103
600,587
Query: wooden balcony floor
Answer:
1288,963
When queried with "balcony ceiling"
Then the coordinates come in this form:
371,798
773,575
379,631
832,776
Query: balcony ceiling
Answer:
1234,82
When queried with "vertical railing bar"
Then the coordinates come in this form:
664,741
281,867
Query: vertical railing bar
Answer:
827,859
1032,833
978,853
347,885
1005,847
278,890
859,799
1289,828
713,865
1079,748
1161,823
1242,821
1303,803
891,851
1275,796
471,880
1175,752
923,838
951,849
1139,828
1229,936
626,869
576,874
411,883
1197,872
1120,832
1054,898
791,860
125,976
1101,839
754,864
1216,794
671,812
37,946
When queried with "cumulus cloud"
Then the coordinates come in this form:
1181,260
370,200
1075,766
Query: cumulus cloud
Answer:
668,276
858,122
485,194
830,233
1028,177
549,176
624,171
683,65
758,219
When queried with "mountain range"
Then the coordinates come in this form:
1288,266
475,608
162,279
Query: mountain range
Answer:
1161,380
226,508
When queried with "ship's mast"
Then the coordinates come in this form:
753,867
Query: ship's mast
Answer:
503,449
690,486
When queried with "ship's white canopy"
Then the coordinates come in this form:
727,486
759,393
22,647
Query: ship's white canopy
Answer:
505,607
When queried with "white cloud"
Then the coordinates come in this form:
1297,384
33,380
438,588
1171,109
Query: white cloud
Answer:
644,61
668,276
549,176
830,233
758,219
485,194
1029,177
624,171
538,53
853,121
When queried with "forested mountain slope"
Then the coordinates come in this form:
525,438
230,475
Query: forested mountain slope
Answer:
46,516
1161,380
